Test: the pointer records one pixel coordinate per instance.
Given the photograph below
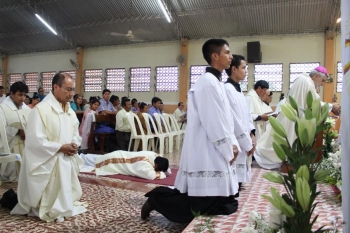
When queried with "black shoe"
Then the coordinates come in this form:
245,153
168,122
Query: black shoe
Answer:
9,199
146,209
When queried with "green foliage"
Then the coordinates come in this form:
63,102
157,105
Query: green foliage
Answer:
298,203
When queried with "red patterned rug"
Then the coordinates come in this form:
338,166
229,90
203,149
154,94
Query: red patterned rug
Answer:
109,210
170,180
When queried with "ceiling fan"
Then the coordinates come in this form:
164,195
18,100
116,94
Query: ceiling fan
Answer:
129,36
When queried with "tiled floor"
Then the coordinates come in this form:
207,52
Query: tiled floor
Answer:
114,206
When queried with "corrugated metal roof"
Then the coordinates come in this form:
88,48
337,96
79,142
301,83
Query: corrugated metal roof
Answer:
90,23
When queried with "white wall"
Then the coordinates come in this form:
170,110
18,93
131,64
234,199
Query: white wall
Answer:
275,49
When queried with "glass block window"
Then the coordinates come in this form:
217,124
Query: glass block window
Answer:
70,72
197,71
0,79
295,69
31,80
167,79
115,79
140,79
93,80
14,78
339,77
271,73
46,80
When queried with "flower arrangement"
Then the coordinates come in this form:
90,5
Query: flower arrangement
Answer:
300,182
329,136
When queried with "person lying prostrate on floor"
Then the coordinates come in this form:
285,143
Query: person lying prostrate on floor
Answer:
143,164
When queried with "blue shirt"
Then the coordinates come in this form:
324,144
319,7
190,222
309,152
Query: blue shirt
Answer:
41,97
151,112
106,105
74,107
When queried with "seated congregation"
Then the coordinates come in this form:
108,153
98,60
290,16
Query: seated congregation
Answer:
130,138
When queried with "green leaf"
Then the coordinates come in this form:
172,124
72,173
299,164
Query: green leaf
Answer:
293,103
309,99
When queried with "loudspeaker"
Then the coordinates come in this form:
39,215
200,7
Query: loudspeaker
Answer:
254,52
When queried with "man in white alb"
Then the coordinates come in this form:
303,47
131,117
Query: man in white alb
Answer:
144,164
265,154
48,183
15,134
256,106
244,128
205,182
2,94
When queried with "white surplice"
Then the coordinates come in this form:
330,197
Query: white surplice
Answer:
265,154
208,144
9,113
256,108
243,125
48,183
139,164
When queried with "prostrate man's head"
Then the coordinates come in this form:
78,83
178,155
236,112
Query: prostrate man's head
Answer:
2,91
238,68
105,94
319,76
161,164
18,93
126,104
156,102
63,87
260,87
217,54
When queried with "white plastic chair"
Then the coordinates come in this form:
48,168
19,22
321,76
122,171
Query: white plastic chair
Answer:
10,157
145,138
163,138
171,135
172,123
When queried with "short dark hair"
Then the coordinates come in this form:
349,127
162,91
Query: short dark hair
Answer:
124,101
162,163
271,93
58,79
27,96
40,88
236,62
133,101
105,90
155,100
261,83
179,104
19,86
113,98
1,87
35,97
212,46
94,100
142,105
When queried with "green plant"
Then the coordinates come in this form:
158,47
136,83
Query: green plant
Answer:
300,182
328,137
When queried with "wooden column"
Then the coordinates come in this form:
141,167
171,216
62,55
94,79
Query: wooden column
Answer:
184,77
79,71
330,64
5,62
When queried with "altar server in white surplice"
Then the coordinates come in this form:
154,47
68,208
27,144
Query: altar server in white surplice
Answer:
205,182
48,184
244,128
256,106
144,164
15,134
265,154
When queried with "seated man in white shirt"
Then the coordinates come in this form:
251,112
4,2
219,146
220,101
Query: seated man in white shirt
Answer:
178,114
144,164
122,126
